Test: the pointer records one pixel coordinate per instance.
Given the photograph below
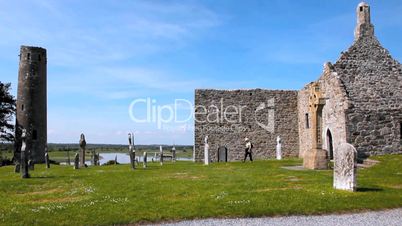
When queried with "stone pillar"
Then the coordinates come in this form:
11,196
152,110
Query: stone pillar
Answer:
206,151
174,153
83,144
345,164
161,155
93,157
31,165
68,157
145,160
76,161
96,159
131,150
316,158
278,148
47,160
194,153
17,168
24,158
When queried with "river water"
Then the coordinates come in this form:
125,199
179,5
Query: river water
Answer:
124,158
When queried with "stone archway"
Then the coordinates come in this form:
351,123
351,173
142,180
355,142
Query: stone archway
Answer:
330,144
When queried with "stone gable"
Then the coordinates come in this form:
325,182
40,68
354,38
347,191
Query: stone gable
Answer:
372,78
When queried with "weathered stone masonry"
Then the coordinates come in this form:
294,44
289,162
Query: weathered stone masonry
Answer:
257,106
360,99
31,113
363,96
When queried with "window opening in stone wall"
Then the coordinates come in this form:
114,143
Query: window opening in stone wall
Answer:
307,121
22,107
34,135
330,145
28,56
38,57
361,8
400,131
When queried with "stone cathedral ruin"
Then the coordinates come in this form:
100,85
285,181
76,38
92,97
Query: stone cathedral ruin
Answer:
356,100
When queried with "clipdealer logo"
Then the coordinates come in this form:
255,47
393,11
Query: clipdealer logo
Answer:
215,113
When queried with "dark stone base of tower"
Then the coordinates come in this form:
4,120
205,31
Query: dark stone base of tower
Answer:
31,113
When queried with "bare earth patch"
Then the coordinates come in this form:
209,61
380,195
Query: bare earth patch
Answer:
57,200
43,192
278,189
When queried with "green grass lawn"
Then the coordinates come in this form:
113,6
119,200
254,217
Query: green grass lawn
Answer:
106,195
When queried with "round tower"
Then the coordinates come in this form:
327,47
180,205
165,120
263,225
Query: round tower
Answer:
364,26
32,103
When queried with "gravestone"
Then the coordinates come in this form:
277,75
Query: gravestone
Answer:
96,160
345,164
278,148
222,154
17,168
47,160
145,160
161,155
68,157
193,153
31,164
76,161
24,156
83,144
174,153
206,151
131,150
93,158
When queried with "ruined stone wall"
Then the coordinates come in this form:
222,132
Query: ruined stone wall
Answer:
375,132
333,112
373,81
265,114
304,121
372,78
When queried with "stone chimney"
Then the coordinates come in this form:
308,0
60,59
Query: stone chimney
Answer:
364,27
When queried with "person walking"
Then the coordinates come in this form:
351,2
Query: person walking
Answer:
248,150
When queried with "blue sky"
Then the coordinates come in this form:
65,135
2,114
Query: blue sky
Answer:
102,55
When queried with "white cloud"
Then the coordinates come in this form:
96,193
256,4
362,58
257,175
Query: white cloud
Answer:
80,33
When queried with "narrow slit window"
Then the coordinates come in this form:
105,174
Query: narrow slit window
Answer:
400,131
28,56
307,121
361,8
39,57
22,107
34,135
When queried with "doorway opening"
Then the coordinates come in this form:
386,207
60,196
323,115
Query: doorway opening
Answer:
330,145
